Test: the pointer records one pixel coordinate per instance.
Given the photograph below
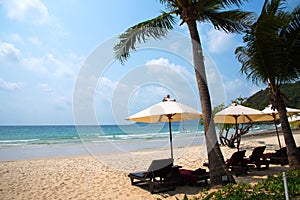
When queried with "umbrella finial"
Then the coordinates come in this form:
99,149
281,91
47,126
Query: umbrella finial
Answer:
234,104
167,98
273,107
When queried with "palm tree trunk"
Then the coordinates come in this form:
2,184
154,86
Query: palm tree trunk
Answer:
292,152
219,174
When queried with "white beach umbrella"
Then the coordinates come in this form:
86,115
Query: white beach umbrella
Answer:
166,111
274,113
294,118
238,114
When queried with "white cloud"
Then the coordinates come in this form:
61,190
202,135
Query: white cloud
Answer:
36,41
9,86
9,52
218,41
61,68
177,68
52,66
45,87
160,61
105,89
215,82
35,64
35,12
215,41
17,38
27,10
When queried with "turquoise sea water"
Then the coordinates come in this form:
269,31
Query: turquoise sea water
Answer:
12,136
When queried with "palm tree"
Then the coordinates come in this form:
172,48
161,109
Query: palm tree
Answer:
191,12
271,56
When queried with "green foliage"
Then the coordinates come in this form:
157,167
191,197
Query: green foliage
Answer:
156,28
271,44
259,100
295,124
271,188
213,11
291,94
184,198
262,98
218,109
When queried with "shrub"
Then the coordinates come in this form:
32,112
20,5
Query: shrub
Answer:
271,188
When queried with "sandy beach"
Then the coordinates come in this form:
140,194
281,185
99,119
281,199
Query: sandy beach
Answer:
104,176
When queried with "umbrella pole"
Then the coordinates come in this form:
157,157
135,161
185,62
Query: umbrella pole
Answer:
277,131
237,133
170,129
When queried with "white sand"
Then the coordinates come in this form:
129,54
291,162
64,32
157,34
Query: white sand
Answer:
105,176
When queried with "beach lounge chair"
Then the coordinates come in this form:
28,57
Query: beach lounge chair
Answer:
236,163
278,157
257,158
160,176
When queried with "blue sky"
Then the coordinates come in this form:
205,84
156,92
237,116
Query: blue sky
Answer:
45,46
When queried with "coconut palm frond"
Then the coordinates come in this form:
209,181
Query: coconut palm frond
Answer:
292,50
276,37
292,38
169,4
272,46
229,3
155,28
233,21
251,65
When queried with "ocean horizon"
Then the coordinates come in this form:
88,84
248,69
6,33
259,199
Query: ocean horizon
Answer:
22,135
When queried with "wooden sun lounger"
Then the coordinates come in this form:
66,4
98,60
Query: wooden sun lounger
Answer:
257,158
159,176
236,163
278,157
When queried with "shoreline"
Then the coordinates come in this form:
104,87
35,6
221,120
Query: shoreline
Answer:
104,176
112,147
86,148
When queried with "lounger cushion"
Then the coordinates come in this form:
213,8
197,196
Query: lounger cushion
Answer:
191,178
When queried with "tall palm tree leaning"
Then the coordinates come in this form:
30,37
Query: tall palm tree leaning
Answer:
271,56
191,12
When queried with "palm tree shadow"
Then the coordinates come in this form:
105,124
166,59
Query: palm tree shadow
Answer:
181,189
189,189
255,175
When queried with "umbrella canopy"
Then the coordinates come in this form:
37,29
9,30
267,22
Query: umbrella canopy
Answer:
239,114
289,111
294,119
162,111
274,113
167,111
